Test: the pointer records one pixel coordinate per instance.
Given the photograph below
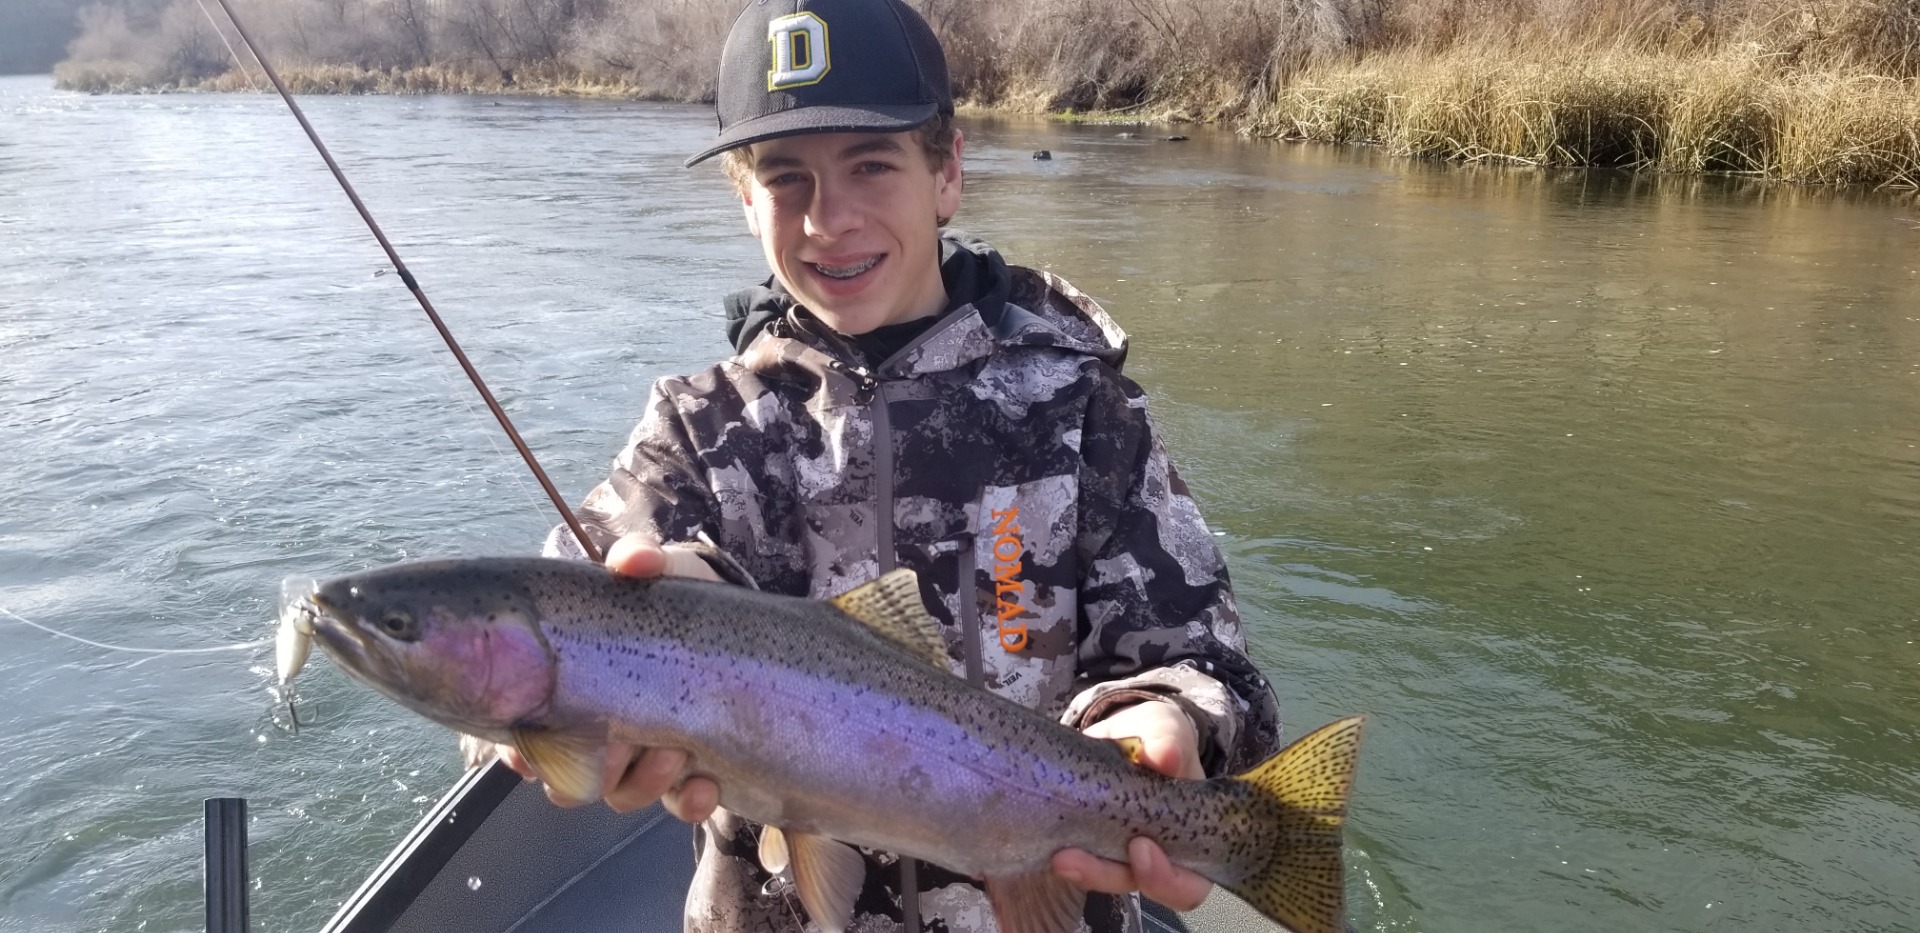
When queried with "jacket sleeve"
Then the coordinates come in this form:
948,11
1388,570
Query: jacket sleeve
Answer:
656,485
1158,618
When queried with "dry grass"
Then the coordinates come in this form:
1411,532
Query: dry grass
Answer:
550,81
1802,90
1613,107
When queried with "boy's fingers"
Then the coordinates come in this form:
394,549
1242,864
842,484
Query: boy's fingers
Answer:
640,556
1092,873
636,556
684,562
1161,880
1149,871
651,774
1168,742
693,801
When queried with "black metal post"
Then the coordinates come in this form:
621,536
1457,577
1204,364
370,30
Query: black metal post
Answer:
226,865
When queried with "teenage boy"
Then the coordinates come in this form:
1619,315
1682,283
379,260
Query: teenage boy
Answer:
901,398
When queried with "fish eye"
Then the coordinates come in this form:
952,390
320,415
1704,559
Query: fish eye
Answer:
397,624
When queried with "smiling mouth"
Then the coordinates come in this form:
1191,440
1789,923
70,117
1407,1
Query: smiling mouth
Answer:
844,272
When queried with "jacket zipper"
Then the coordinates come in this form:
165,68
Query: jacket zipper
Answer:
876,391
882,467
869,381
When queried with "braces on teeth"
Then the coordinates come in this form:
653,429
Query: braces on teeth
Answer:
847,272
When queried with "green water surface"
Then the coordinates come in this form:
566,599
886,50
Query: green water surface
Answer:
1597,493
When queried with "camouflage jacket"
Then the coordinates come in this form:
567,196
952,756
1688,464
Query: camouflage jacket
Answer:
1003,457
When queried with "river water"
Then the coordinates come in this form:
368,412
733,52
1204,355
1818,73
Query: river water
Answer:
1600,494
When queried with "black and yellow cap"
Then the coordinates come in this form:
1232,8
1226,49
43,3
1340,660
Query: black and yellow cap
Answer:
827,66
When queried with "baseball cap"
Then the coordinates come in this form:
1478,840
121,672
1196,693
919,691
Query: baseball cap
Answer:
827,66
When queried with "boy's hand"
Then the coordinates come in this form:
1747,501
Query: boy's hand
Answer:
1170,746
638,556
635,776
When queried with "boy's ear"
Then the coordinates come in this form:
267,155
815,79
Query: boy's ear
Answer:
952,179
746,207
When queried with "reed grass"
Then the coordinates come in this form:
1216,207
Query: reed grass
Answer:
1612,107
306,79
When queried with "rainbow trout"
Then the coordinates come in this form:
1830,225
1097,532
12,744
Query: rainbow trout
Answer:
831,722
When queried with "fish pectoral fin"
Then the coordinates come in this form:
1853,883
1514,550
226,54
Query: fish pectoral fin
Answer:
1036,902
827,875
773,849
891,606
572,765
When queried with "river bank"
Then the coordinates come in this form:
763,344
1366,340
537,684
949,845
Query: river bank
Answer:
1621,109
1801,91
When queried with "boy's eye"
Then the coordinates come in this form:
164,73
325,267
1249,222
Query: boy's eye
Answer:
782,179
873,168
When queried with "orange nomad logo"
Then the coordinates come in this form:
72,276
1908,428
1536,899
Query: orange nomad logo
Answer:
1007,549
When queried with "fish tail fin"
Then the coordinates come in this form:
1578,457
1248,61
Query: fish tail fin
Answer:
1301,795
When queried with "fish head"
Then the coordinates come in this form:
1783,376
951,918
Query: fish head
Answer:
460,647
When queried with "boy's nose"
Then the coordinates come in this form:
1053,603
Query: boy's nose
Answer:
831,215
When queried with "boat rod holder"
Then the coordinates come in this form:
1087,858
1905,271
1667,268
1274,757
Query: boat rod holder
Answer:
226,865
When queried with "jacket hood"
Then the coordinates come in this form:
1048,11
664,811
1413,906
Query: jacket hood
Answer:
1045,311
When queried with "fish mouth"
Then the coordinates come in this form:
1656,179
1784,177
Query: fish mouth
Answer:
307,615
374,661
415,674
302,612
341,639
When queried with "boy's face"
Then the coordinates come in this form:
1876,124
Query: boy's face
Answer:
849,224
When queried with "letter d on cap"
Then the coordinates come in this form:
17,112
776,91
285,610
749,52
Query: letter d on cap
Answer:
799,51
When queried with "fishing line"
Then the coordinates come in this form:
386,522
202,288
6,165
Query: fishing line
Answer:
519,482
406,277
493,441
101,644
284,691
223,41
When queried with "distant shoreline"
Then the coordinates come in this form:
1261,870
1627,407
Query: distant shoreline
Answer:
1640,112
1829,95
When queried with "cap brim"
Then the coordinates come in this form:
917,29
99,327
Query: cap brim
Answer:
819,119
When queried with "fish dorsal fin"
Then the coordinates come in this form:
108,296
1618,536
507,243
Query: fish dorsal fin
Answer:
571,765
827,875
891,606
1036,902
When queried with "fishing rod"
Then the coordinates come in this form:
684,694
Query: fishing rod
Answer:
406,276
